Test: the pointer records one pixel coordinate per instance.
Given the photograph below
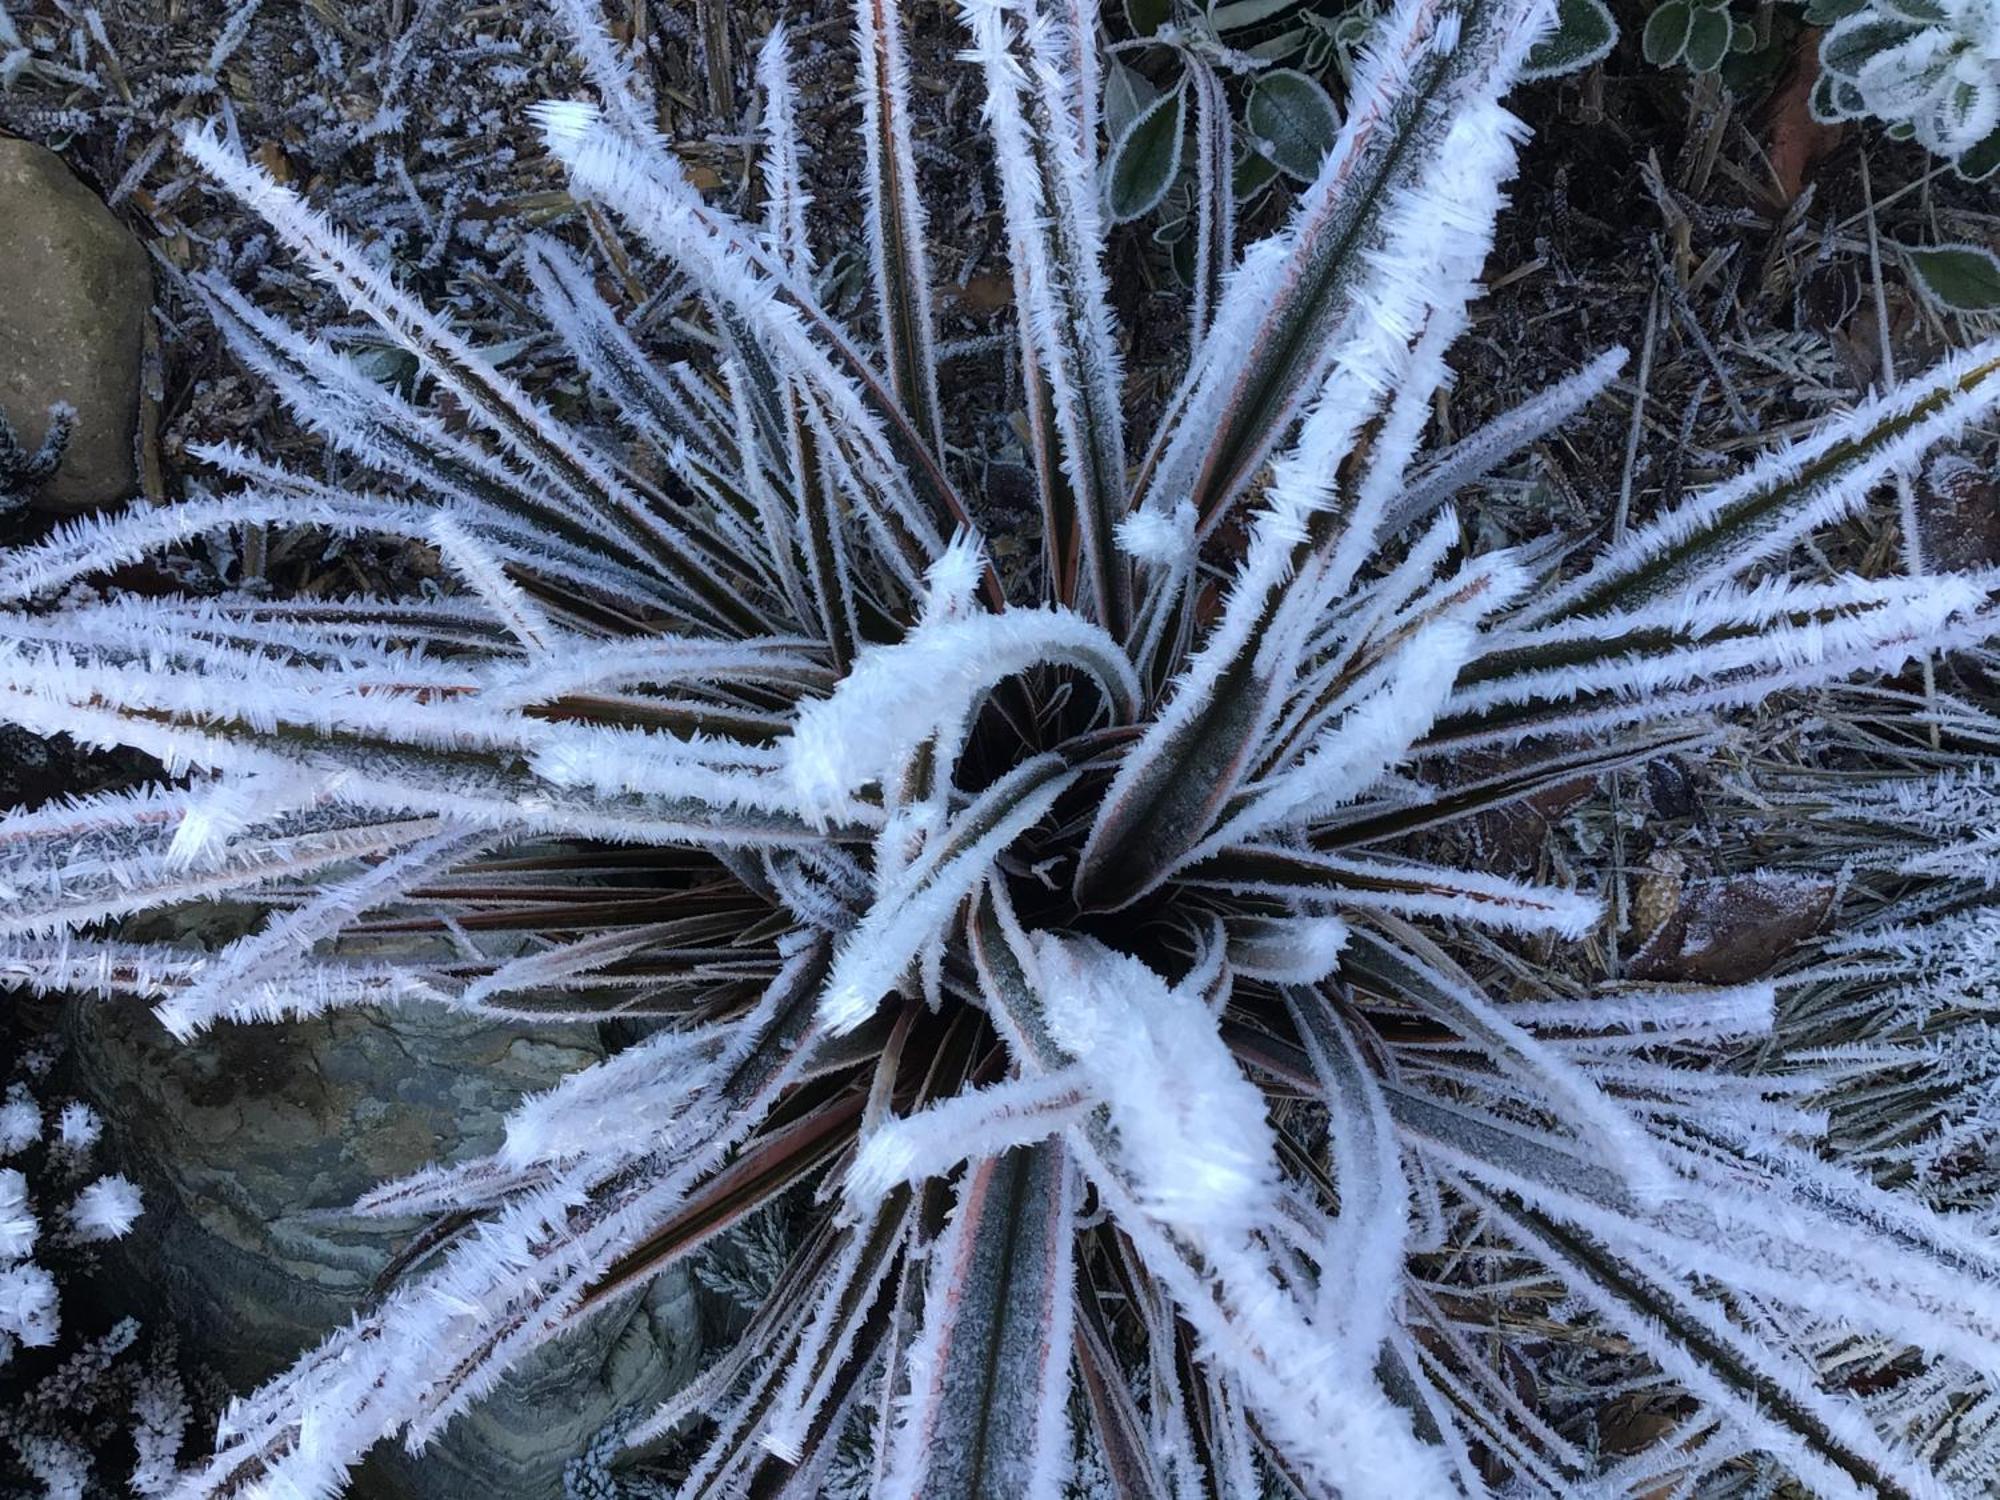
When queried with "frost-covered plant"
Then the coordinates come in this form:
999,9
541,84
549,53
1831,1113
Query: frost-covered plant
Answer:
1067,932
22,469
1886,1024
80,1412
1699,34
1930,68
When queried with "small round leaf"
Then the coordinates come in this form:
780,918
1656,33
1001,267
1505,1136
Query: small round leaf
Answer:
1147,157
1707,40
1666,35
1293,121
1964,278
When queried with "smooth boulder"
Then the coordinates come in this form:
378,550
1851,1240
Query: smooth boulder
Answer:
75,291
248,1141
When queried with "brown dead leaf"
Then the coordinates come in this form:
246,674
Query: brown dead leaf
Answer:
1797,142
1730,931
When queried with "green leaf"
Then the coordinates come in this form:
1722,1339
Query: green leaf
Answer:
1965,278
1951,111
1239,14
1145,17
1127,92
1708,40
1293,122
1849,47
1146,159
1252,175
1585,33
1826,12
1280,48
1666,33
1979,161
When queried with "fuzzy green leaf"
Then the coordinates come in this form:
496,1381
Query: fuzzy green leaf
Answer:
1852,44
1585,33
1146,159
1980,161
1707,40
1127,92
1666,35
1965,278
1293,121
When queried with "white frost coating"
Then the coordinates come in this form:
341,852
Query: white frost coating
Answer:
1362,1259
28,1305
481,571
248,980
1268,616
725,259
20,1118
630,1103
105,1210
785,197
1487,447
1422,249
951,582
18,1226
917,902
566,466
928,684
87,544
894,207
1412,888
1163,538
1719,1013
1288,950
1958,390
823,1347
1338,1426
346,734
1349,757
78,1129
1191,1128
224,808
1810,631
1049,190
979,1122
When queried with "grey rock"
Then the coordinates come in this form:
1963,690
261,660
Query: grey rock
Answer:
245,1139
75,289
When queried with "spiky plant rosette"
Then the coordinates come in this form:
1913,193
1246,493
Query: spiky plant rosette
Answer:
1066,938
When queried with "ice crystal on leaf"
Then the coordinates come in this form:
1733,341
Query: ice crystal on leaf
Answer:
1072,932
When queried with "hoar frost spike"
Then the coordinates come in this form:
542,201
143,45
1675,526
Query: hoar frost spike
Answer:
1074,940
